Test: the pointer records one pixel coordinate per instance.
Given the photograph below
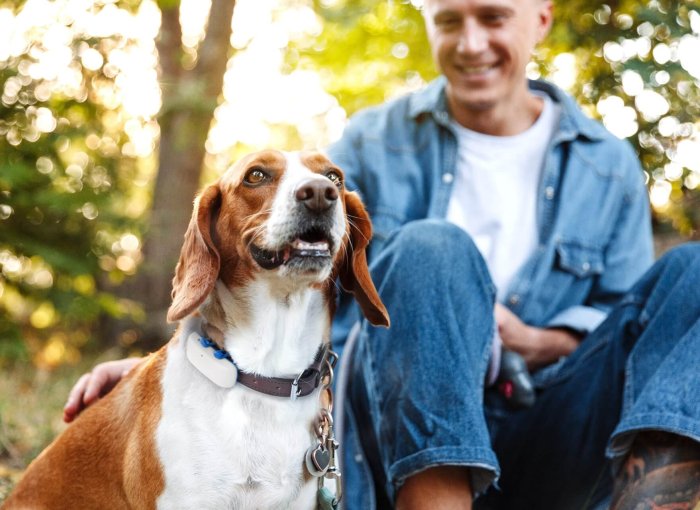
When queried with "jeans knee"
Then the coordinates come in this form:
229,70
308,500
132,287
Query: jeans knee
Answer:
432,253
436,241
682,256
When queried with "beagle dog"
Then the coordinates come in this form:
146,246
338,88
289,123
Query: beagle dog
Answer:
225,414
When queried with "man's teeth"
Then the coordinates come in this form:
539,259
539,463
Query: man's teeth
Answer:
298,244
476,69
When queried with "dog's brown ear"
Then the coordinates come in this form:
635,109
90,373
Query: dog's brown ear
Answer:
198,267
354,273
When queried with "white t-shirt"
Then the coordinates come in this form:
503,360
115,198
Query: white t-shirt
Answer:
494,196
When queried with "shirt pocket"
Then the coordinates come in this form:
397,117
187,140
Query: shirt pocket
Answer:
572,272
579,259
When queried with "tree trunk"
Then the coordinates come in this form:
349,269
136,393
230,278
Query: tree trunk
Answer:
189,100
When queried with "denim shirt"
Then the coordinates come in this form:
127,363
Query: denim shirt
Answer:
593,216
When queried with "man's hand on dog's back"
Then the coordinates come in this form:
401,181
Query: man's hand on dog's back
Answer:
95,384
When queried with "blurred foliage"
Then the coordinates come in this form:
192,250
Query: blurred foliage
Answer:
646,54
65,187
648,44
367,52
77,164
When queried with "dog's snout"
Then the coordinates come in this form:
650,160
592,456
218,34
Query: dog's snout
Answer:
317,195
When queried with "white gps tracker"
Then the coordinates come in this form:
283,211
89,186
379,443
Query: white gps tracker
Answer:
220,371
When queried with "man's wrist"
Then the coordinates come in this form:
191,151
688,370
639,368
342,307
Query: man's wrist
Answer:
551,344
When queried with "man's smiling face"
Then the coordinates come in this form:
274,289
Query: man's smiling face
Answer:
483,47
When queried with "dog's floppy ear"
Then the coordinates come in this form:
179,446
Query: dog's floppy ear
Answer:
198,267
354,273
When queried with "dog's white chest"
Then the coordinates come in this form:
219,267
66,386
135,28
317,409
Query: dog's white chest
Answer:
231,448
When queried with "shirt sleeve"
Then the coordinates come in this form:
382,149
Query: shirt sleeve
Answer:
582,319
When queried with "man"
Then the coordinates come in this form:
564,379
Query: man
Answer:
557,209
547,214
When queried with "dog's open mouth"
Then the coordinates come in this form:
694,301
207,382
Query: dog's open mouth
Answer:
311,245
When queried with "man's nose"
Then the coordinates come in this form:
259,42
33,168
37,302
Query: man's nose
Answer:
317,195
473,38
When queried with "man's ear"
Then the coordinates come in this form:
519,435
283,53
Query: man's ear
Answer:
354,273
545,18
198,268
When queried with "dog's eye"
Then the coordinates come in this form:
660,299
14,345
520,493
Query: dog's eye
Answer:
335,178
255,176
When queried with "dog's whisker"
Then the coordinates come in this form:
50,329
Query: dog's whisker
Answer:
257,233
354,226
256,214
248,220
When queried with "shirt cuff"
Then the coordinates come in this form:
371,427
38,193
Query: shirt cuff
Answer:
582,319
495,359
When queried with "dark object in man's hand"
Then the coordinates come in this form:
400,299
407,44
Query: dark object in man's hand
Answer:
514,381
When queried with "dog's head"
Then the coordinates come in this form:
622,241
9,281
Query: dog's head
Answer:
285,216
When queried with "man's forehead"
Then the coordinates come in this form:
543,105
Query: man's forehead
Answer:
459,5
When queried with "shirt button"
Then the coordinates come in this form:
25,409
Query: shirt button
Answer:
448,178
514,299
549,192
358,457
585,266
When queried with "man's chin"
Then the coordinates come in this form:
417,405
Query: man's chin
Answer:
472,103
472,99
479,105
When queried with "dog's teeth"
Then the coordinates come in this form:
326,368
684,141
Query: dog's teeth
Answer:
298,244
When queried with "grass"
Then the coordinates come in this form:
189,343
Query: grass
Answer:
31,412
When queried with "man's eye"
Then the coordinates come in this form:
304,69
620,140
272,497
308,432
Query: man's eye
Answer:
494,18
335,178
255,176
447,23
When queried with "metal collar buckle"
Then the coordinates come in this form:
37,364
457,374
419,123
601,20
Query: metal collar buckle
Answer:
296,390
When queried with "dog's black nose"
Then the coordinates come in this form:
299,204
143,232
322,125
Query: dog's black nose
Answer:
318,195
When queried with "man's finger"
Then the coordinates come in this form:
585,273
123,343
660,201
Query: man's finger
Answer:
75,399
97,382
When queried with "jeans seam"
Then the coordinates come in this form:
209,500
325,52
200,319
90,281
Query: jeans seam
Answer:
628,390
370,382
484,277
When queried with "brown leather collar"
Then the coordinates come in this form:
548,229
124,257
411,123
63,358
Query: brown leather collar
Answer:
304,384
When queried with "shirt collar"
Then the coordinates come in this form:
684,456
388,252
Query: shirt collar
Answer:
431,100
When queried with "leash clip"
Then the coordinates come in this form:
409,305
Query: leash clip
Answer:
331,445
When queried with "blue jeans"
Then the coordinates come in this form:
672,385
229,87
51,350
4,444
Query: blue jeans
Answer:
416,396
